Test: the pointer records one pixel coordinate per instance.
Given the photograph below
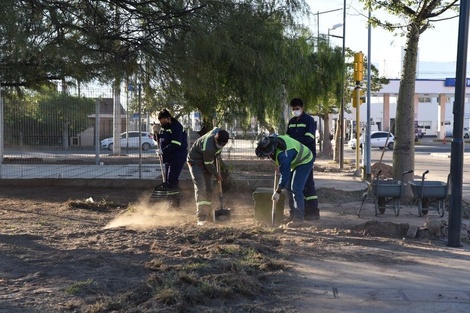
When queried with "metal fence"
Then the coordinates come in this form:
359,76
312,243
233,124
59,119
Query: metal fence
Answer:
60,137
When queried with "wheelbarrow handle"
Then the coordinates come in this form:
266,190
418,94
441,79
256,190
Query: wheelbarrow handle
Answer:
422,183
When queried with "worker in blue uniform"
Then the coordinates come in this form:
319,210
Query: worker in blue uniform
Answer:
173,148
303,127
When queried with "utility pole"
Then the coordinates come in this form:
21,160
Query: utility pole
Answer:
457,149
341,109
358,76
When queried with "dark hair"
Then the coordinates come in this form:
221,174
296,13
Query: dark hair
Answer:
164,114
266,146
296,102
222,136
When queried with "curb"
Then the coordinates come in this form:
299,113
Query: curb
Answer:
440,155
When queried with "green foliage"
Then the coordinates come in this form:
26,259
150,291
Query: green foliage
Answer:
230,60
207,55
419,13
58,108
230,64
43,117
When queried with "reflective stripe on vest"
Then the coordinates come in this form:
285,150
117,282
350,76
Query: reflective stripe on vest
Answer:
303,155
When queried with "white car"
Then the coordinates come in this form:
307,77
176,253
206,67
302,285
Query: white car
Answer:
131,141
377,140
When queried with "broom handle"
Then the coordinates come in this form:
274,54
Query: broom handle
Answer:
161,161
219,182
273,208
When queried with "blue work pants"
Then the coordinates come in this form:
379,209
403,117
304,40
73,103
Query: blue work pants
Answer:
295,189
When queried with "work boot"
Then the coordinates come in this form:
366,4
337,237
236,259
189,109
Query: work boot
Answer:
203,217
288,219
312,214
295,223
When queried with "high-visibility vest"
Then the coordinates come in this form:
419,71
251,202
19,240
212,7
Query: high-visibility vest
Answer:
304,155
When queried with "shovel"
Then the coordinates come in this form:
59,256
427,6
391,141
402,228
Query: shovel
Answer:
273,208
222,214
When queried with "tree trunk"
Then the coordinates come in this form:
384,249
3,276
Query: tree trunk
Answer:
403,152
325,135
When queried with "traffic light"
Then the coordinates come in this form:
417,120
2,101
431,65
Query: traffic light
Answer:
358,66
362,98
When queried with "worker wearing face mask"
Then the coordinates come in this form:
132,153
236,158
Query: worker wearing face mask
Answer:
303,127
173,149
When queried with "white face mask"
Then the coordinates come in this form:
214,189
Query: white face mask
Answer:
219,146
297,113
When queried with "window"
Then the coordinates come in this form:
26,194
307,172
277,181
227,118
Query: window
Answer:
378,135
425,99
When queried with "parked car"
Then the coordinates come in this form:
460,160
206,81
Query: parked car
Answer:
146,141
377,140
465,135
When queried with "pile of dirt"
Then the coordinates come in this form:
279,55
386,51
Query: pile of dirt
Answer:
386,171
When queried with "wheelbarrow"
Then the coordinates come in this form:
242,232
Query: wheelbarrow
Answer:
430,191
384,192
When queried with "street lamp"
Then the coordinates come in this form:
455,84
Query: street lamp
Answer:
341,109
318,21
333,28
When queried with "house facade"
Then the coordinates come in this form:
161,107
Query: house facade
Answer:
433,106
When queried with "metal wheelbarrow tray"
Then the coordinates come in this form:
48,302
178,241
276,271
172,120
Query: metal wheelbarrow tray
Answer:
383,192
428,191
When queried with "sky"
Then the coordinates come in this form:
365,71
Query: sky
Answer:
438,44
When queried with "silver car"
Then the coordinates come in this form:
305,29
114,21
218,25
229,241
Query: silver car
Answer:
378,139
131,141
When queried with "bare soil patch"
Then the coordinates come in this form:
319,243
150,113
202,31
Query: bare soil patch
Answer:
70,249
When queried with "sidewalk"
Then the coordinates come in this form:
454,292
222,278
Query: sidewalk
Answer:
416,279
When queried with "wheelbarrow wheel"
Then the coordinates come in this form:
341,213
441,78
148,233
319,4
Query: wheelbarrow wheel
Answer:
441,208
381,203
396,207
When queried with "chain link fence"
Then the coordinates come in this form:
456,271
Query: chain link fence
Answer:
62,136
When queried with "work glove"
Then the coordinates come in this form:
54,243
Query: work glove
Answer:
159,152
275,197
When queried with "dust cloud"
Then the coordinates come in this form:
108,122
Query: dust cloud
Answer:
144,215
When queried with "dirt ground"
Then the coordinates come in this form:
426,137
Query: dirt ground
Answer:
71,249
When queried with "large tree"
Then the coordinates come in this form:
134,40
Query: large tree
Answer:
208,55
232,62
418,16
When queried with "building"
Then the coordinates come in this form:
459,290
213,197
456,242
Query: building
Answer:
433,105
